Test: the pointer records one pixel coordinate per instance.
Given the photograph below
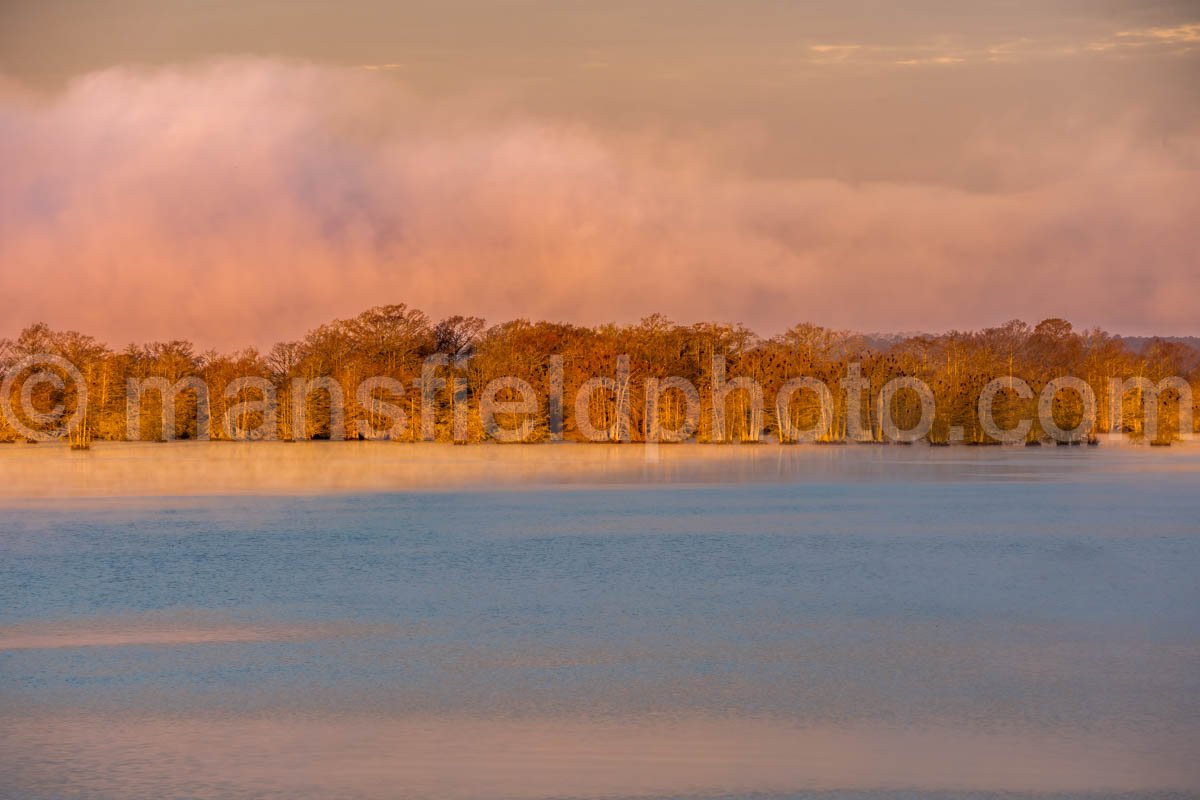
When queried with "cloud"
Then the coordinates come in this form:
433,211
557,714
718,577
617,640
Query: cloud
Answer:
1172,40
247,201
938,60
1178,34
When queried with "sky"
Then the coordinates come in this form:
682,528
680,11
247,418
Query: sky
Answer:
236,173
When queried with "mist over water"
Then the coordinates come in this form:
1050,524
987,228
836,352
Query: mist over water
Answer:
579,620
36,474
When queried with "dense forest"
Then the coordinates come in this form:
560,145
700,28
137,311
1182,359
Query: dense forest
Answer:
395,343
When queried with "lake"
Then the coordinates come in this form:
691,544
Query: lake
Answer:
383,620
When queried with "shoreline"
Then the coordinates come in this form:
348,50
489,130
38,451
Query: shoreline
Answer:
33,473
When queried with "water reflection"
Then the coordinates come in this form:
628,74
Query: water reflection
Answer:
876,620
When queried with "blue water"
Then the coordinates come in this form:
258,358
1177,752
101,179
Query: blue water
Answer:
1034,594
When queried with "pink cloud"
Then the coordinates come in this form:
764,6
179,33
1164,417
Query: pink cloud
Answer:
246,201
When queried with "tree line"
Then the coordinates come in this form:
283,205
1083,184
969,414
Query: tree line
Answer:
396,342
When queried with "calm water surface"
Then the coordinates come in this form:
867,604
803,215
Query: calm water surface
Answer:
829,622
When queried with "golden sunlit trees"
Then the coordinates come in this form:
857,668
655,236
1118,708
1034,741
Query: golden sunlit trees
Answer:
393,373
